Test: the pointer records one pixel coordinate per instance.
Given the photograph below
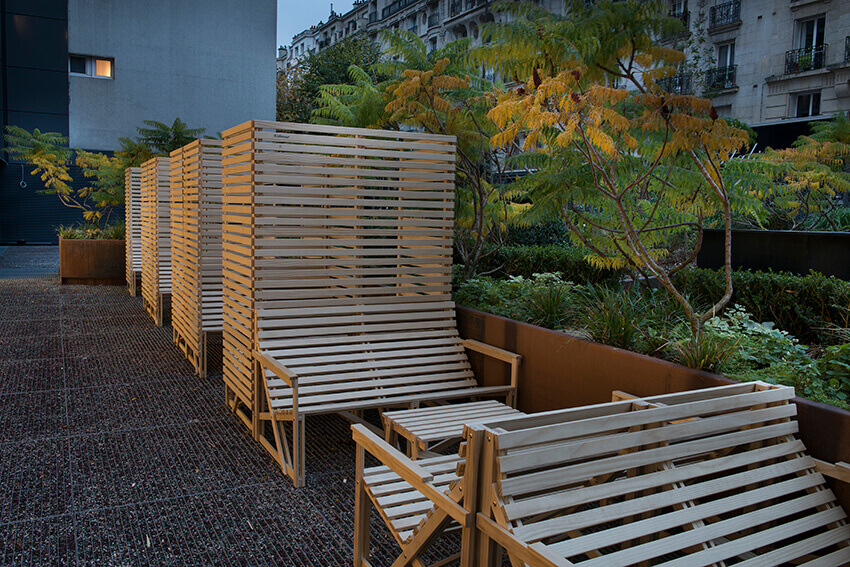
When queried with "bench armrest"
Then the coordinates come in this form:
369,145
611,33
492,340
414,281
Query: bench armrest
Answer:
277,368
409,470
511,358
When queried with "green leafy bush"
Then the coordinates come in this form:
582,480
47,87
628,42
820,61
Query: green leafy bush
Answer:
541,234
526,261
613,317
804,306
707,351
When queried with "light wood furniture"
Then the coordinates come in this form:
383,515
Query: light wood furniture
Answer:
156,236
431,429
133,228
196,201
337,274
707,477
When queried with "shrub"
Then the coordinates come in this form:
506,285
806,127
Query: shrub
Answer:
526,261
802,305
114,231
707,351
542,234
613,317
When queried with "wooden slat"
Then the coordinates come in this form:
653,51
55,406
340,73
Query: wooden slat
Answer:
155,223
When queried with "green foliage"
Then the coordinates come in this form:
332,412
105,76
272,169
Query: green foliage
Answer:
834,367
115,231
107,186
163,138
528,260
613,317
48,152
538,234
706,352
298,88
802,305
550,302
361,104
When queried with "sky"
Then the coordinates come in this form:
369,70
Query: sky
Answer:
294,16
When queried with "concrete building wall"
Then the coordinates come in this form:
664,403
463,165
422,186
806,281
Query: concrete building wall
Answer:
208,62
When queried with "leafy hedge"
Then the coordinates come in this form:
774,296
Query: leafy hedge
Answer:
526,261
805,306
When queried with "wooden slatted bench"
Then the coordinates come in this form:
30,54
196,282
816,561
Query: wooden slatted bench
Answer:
431,429
133,228
196,202
708,477
156,236
337,277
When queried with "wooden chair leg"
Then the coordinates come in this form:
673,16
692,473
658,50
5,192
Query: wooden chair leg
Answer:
298,451
362,519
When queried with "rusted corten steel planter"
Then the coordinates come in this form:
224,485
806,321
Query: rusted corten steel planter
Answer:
91,262
560,371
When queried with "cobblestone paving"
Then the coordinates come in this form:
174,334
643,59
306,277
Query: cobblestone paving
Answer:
113,452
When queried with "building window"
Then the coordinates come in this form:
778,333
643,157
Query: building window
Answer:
810,33
806,104
88,66
810,49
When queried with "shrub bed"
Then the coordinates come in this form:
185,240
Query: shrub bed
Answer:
526,261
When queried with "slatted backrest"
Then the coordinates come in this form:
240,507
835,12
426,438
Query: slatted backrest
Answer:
339,239
132,221
196,246
690,479
156,227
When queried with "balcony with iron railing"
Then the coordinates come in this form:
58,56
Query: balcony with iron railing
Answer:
721,78
723,14
805,59
677,84
433,20
395,7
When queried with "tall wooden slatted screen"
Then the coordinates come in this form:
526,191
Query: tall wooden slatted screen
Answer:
196,201
331,233
133,227
156,236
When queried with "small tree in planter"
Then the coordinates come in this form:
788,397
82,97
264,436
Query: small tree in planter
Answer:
626,169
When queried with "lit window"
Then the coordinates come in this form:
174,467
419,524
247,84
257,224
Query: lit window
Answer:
807,104
88,66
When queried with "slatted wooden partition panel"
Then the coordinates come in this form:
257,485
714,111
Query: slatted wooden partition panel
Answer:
338,246
156,236
196,202
133,227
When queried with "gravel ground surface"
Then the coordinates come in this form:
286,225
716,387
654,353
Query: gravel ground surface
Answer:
113,452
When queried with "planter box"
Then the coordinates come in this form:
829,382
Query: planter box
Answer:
560,371
91,262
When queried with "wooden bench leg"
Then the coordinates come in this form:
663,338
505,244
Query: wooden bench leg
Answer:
298,451
362,509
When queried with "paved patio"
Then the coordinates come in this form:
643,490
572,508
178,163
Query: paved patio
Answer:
112,451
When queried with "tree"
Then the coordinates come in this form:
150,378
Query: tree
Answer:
163,138
627,170
361,104
439,94
298,87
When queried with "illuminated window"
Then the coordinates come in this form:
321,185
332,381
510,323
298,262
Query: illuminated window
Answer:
88,66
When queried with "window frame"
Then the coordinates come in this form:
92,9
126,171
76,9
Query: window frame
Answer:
91,66
811,98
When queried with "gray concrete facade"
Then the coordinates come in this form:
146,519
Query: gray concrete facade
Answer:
208,62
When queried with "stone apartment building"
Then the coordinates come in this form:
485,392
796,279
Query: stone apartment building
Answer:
774,64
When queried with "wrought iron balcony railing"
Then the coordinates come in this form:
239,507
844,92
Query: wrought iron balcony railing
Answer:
395,7
723,14
677,84
721,78
805,59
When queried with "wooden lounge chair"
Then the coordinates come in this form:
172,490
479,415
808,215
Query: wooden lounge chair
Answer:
337,269
708,477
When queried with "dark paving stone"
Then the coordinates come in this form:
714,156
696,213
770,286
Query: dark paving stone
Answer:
29,262
36,480
22,376
118,323
27,328
135,405
138,366
244,526
42,542
33,415
29,347
152,342
166,462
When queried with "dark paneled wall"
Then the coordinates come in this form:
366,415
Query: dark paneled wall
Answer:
34,87
786,251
